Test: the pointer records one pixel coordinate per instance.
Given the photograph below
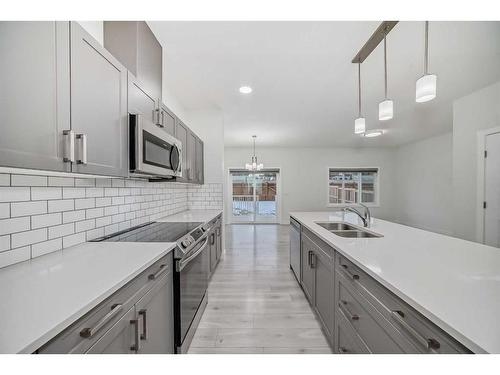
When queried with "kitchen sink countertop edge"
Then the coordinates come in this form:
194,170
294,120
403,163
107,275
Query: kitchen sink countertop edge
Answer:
453,282
43,296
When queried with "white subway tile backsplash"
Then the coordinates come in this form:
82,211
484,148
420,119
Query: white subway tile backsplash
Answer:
110,210
84,182
4,179
103,182
71,216
94,192
94,212
28,208
81,226
27,180
61,181
29,237
4,210
61,205
4,243
102,202
71,192
73,240
14,194
95,233
14,256
46,247
42,221
18,224
44,193
84,203
61,230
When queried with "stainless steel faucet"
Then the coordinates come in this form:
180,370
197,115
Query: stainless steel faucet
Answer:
366,217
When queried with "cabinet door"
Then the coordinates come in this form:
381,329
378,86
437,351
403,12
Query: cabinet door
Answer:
181,133
155,312
219,239
307,274
120,339
191,156
168,120
98,107
140,101
324,290
34,94
199,161
213,251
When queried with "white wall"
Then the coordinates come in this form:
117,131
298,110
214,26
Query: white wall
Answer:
424,184
474,112
94,28
304,174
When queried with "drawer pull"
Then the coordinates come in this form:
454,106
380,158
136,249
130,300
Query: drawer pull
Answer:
428,344
89,332
351,275
343,350
144,334
154,276
345,310
137,343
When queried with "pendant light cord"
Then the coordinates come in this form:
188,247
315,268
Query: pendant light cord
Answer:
426,49
359,89
385,66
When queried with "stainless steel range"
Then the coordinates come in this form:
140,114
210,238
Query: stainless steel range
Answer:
191,270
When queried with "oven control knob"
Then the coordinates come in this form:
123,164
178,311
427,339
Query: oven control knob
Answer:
185,243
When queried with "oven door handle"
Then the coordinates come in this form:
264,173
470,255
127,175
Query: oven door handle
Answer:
183,263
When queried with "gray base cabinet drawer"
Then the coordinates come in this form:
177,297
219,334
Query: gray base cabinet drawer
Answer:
88,330
346,339
409,328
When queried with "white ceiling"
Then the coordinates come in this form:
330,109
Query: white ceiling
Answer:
305,86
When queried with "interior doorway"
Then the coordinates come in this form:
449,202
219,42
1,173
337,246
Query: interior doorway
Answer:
254,196
492,190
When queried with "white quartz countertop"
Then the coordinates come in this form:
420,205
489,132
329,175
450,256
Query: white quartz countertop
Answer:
41,297
454,283
192,216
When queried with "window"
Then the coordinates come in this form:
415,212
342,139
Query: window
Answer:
352,185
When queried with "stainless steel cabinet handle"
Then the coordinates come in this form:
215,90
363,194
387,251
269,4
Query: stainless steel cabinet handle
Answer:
83,148
154,276
137,342
89,332
313,260
212,238
144,334
351,275
345,310
69,146
309,258
398,316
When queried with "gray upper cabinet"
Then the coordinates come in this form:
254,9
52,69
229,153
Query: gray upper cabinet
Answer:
98,107
191,157
181,133
34,94
199,160
135,46
140,101
167,120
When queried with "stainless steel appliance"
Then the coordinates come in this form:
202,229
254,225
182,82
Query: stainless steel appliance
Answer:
191,270
295,247
152,151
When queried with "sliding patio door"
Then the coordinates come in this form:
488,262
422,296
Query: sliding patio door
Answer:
254,196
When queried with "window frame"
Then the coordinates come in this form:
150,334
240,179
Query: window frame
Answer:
376,202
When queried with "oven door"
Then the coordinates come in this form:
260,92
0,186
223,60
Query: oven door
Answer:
154,151
192,273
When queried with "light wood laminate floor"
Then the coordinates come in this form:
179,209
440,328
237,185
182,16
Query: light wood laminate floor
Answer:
255,305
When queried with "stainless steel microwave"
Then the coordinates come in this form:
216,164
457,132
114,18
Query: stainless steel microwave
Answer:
153,152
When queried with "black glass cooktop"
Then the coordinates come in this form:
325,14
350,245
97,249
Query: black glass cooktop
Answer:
151,232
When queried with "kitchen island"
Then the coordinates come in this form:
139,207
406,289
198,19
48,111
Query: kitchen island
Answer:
452,283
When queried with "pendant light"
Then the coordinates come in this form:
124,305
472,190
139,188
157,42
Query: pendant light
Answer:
426,85
254,165
359,123
385,108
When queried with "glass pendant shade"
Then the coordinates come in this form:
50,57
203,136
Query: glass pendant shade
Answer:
426,88
386,110
359,125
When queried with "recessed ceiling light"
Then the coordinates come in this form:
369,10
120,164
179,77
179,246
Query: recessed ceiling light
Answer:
245,89
373,133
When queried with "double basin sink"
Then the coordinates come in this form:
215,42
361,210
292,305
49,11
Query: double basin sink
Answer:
347,230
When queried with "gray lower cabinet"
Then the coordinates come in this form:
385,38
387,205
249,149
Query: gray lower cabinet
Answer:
98,107
138,318
218,241
215,243
213,250
307,271
35,94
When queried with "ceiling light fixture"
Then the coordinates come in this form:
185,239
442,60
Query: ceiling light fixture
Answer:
385,108
245,89
254,165
426,85
359,123
373,133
